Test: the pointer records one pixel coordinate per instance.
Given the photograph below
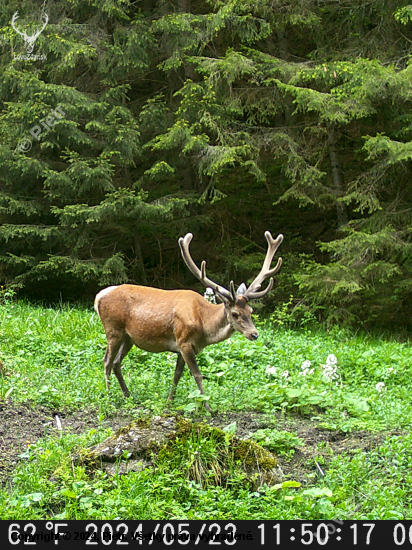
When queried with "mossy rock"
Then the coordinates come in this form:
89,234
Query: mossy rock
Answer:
139,439
168,442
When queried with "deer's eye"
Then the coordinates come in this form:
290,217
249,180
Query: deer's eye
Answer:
235,315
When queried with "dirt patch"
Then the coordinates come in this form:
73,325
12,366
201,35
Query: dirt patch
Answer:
24,424
20,425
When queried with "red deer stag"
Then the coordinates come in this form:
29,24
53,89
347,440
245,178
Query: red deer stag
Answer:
181,321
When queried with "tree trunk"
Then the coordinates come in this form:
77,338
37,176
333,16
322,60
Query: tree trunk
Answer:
141,272
341,210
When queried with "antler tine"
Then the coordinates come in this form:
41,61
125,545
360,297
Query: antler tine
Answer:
13,21
273,245
37,34
46,17
201,273
232,290
259,294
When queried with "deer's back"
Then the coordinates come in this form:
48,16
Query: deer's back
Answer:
152,317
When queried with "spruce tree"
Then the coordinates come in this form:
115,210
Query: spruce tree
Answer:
225,118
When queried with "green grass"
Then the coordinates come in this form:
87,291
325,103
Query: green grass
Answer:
53,357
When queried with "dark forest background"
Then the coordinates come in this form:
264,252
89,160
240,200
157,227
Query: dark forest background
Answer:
223,118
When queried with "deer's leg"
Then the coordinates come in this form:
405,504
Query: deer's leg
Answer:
124,349
114,341
107,368
190,360
180,365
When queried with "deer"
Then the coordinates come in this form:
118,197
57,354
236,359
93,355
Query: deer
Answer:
179,321
29,40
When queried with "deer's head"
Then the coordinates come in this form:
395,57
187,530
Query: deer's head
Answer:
29,40
238,311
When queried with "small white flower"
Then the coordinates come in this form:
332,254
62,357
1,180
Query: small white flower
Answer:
270,370
330,370
306,368
392,370
380,387
330,373
285,374
331,359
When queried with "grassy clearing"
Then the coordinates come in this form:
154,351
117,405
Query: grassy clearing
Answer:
53,357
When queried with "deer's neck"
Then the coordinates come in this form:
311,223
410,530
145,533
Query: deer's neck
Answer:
216,325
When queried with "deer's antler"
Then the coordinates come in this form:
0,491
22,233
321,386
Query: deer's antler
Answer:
201,273
46,20
252,292
13,21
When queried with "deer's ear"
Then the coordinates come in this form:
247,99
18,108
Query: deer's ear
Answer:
241,290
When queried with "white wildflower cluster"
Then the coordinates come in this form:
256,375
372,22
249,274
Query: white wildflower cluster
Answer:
209,295
330,370
305,368
391,370
380,387
272,371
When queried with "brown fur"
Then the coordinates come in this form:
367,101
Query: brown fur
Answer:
156,320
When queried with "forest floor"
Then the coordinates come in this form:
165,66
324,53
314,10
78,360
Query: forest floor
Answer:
23,424
333,406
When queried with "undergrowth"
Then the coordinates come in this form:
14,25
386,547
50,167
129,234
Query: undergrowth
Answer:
339,380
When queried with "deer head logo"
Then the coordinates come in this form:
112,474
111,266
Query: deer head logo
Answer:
29,40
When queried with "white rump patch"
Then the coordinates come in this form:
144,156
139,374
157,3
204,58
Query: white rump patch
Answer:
100,296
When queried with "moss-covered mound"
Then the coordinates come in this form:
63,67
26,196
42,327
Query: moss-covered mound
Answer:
206,454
